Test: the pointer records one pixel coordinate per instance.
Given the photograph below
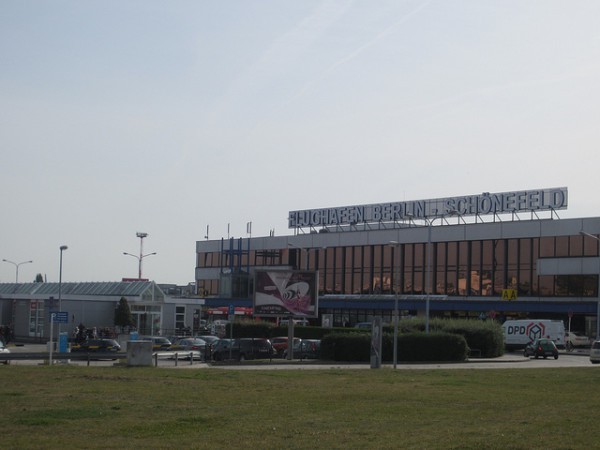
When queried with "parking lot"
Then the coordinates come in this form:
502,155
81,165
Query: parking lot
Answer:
181,360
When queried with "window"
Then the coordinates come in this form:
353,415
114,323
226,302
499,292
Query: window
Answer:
179,317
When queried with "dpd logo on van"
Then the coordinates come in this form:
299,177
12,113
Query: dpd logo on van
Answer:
535,330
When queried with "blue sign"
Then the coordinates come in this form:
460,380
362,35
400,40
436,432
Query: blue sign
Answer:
60,316
231,310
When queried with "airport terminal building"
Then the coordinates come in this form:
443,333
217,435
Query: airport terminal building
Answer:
501,255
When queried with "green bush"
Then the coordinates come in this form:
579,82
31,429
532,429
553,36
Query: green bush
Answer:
435,346
350,347
483,338
412,347
250,329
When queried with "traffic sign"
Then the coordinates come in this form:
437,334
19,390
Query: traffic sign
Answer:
59,316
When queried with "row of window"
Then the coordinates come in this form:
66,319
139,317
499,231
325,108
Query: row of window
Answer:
481,268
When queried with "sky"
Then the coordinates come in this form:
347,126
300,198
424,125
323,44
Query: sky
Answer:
177,117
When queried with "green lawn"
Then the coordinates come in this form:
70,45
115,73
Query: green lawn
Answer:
146,408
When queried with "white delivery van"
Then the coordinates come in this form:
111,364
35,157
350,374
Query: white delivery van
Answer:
519,333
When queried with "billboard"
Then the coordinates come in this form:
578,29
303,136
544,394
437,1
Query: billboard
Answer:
286,293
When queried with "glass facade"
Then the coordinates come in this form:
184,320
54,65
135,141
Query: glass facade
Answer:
461,268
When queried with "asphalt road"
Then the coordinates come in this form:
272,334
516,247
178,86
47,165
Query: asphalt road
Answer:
513,360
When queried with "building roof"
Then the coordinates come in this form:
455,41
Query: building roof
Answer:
111,288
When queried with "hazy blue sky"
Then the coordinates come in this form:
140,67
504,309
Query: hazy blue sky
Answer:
168,116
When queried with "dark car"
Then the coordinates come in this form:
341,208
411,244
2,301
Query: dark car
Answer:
305,349
242,349
210,342
220,349
541,347
96,346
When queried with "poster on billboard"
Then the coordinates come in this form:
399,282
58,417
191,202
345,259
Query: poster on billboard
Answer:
286,293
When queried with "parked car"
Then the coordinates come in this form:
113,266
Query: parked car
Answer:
541,347
305,349
3,349
242,349
210,342
573,340
220,349
191,345
595,352
209,339
280,344
159,343
96,346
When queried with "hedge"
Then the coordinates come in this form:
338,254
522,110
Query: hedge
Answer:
412,347
483,338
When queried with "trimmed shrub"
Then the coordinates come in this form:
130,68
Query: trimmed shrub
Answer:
483,338
412,347
436,346
350,347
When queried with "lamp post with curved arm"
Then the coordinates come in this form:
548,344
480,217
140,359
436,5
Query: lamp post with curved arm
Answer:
429,287
583,233
396,246
141,235
16,267
62,248
139,258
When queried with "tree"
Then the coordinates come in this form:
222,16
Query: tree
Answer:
123,317
39,278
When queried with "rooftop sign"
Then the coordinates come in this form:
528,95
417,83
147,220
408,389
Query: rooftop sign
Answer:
470,205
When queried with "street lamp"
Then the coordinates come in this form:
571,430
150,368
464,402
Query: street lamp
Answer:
62,249
396,246
142,256
16,267
583,233
452,212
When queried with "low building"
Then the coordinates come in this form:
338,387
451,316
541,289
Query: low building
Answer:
28,307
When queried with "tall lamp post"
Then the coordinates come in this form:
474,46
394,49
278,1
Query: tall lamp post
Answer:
583,233
396,245
452,212
142,256
62,249
16,267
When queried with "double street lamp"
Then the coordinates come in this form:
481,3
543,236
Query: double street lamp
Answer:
429,261
16,267
141,256
62,248
396,246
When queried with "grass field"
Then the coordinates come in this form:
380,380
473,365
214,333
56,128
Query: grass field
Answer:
149,408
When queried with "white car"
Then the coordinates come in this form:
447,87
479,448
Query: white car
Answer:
3,349
573,340
595,352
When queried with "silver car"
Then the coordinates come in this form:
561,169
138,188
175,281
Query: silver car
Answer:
3,349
